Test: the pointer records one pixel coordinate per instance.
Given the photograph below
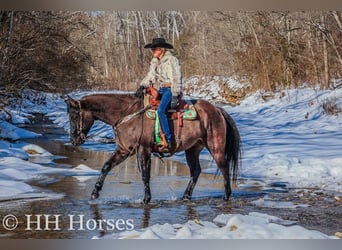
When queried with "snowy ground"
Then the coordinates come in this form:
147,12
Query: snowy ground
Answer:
226,226
291,139
288,139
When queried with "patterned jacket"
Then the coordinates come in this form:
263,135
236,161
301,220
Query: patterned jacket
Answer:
165,71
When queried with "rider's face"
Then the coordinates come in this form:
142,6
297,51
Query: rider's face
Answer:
158,52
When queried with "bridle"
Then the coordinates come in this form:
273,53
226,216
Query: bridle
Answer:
80,131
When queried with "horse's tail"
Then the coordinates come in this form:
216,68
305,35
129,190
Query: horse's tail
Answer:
233,145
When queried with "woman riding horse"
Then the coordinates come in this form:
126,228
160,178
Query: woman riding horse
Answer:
165,72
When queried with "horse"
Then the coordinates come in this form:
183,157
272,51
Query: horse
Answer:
213,129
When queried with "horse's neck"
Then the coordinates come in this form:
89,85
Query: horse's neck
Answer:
106,118
110,109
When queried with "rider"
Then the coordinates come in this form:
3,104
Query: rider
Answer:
165,73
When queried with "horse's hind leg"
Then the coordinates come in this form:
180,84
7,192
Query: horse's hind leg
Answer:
118,157
192,158
220,159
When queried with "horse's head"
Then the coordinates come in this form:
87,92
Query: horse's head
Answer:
81,121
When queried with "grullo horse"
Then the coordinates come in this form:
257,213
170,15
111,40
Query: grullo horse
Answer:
213,129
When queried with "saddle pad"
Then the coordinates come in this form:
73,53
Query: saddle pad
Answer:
188,114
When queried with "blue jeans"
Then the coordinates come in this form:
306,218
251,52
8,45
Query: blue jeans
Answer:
166,97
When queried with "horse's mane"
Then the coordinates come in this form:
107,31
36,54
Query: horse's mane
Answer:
100,101
130,95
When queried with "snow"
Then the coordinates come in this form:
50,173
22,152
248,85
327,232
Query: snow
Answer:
212,88
18,165
9,131
287,138
291,139
266,202
13,169
226,226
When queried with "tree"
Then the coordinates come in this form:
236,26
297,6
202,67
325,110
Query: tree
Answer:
42,49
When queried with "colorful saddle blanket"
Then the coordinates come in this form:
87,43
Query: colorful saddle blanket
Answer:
187,112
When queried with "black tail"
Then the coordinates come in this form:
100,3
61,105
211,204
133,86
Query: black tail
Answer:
233,145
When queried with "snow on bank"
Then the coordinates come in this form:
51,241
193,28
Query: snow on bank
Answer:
292,139
9,131
226,226
217,88
24,162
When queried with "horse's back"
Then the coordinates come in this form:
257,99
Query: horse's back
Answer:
207,112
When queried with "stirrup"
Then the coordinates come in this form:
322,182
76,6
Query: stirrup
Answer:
164,147
168,147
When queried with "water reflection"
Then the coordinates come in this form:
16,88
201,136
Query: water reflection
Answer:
192,212
145,221
97,216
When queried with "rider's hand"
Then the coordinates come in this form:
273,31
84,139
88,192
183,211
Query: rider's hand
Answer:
140,91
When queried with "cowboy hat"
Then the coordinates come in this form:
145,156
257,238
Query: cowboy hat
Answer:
158,42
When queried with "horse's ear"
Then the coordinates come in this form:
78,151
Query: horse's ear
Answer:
65,98
72,103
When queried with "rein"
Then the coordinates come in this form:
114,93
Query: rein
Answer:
80,122
126,119
131,116
81,132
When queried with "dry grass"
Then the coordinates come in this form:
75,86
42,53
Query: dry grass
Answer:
330,107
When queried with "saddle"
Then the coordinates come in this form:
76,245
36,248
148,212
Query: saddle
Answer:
183,110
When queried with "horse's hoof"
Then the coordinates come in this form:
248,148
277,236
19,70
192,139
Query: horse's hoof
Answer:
186,198
146,201
94,196
226,198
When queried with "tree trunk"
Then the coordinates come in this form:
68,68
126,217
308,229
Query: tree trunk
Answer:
338,19
325,55
261,56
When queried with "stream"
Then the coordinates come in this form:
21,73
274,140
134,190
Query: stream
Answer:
119,205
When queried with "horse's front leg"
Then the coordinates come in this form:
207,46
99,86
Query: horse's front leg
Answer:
144,158
119,156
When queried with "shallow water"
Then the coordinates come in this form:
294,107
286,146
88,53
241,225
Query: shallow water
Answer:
119,206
